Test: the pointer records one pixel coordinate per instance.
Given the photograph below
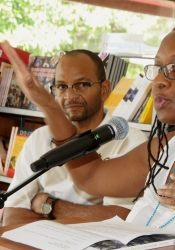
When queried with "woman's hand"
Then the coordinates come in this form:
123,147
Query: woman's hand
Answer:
167,194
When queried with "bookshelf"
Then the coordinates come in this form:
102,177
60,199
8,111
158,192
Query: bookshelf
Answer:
17,117
5,179
22,112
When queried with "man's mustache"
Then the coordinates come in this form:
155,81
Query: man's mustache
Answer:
73,103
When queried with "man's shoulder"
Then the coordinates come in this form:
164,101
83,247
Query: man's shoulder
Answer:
42,131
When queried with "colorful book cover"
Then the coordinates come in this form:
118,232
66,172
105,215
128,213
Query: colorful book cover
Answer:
15,95
133,105
24,55
140,110
127,97
146,116
11,141
19,141
6,89
118,93
3,84
4,144
43,67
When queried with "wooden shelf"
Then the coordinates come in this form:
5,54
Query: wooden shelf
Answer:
5,179
4,183
24,112
157,7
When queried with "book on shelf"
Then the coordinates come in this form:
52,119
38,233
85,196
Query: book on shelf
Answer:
109,234
136,100
113,99
118,69
11,142
118,72
24,55
118,93
146,115
109,65
128,95
9,72
114,70
1,212
3,84
142,107
4,144
14,95
6,74
3,66
19,140
43,67
124,66
104,57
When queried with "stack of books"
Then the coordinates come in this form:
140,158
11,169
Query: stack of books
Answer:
10,149
11,94
116,68
132,100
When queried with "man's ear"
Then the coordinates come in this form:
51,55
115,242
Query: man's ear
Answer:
106,90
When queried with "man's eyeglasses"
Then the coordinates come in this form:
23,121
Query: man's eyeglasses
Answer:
80,88
151,71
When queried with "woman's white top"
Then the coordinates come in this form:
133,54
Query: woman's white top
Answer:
145,206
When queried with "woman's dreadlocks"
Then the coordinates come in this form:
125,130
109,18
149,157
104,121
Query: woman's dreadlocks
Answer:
156,168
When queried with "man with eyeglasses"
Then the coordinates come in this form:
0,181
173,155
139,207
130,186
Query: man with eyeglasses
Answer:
81,90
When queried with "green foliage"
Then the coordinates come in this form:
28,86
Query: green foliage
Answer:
134,70
13,14
45,27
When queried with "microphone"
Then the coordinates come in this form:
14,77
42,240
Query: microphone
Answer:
117,128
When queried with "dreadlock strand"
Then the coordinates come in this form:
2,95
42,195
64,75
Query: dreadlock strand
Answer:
158,128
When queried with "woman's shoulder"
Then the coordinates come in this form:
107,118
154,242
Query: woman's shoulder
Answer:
170,135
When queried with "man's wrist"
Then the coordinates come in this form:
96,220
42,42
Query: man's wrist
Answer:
48,208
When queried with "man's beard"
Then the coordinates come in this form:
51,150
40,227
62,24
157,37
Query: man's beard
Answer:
87,113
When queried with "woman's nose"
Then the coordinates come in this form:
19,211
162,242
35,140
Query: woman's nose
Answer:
161,80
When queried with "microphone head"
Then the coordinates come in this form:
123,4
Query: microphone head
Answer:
120,127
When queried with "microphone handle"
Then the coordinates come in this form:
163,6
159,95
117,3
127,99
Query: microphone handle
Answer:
78,146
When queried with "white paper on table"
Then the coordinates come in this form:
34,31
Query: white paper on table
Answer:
51,235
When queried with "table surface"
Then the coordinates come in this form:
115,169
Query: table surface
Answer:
11,245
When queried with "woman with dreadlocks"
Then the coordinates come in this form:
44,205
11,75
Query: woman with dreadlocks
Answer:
146,172
123,176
